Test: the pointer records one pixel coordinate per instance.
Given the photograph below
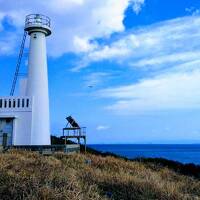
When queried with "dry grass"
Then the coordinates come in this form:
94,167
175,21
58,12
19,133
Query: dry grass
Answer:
27,175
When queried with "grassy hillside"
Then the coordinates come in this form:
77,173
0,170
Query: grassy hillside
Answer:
28,175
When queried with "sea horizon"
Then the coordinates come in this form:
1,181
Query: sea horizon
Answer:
143,144
184,153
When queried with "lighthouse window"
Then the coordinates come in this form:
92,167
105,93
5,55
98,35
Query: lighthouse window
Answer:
22,103
9,103
1,103
27,103
18,103
14,103
5,103
35,36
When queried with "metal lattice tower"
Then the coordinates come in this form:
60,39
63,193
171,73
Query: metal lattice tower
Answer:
12,91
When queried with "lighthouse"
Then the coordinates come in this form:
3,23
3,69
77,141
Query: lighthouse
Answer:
38,28
24,119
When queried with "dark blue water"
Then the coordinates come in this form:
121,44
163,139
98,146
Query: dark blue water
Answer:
181,153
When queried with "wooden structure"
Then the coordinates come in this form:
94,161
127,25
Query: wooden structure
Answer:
74,131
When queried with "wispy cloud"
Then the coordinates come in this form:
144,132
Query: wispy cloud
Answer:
137,6
102,128
8,44
172,50
96,78
172,58
193,11
165,92
170,41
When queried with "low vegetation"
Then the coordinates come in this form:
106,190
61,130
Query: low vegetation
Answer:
29,175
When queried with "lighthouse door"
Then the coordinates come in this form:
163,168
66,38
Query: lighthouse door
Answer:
6,129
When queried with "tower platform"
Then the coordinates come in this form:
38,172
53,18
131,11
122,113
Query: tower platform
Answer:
74,131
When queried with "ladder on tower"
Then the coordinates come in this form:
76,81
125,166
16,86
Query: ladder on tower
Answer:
12,91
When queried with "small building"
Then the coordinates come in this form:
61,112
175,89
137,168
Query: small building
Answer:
15,120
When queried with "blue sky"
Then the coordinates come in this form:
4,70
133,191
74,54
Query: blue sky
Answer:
141,57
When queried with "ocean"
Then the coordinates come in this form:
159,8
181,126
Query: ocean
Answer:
182,153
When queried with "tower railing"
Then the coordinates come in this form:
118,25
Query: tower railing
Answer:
15,103
37,19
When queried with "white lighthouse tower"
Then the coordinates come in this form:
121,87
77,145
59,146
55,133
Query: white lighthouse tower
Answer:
24,119
38,27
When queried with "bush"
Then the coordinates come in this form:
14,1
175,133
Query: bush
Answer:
28,175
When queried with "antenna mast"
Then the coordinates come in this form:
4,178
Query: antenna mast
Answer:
12,91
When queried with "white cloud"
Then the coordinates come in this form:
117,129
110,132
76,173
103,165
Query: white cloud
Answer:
83,44
164,92
105,53
172,50
176,40
7,47
1,18
75,22
96,78
193,11
63,5
137,6
169,58
102,128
